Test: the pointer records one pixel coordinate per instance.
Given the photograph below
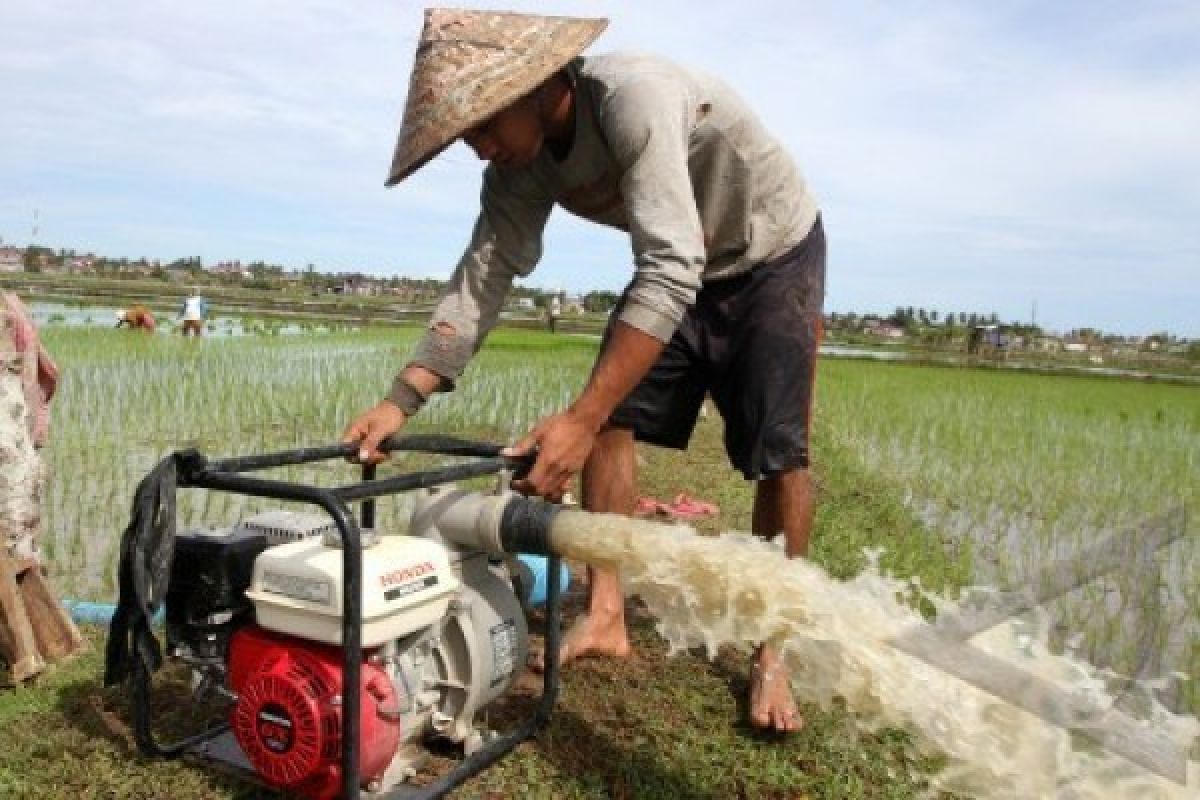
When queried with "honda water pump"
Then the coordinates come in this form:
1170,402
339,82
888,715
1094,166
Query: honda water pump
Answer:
279,615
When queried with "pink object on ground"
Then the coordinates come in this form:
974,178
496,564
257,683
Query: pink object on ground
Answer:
690,507
40,381
684,506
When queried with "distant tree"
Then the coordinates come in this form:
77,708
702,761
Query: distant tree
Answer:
37,257
1156,341
600,302
933,316
312,278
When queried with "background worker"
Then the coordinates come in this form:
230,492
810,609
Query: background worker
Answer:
729,261
193,312
553,312
137,318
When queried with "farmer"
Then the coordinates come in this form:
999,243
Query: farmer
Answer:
727,286
553,312
193,311
137,318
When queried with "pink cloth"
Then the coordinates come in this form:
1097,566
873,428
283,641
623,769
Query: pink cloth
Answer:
684,506
40,381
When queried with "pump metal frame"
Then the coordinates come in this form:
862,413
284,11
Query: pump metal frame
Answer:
226,475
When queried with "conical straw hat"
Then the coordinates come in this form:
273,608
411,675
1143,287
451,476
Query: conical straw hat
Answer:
472,64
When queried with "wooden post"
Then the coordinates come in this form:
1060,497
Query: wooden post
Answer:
18,642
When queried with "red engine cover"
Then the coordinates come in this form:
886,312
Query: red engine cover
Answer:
286,718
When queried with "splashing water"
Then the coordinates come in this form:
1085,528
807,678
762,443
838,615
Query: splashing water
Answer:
836,636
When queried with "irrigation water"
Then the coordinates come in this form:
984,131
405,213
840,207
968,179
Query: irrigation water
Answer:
840,641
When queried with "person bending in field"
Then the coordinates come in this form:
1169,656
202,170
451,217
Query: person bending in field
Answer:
192,314
136,318
727,286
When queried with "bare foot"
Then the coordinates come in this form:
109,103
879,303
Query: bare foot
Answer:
772,706
588,637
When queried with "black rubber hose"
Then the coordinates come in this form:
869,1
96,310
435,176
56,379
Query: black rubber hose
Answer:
525,526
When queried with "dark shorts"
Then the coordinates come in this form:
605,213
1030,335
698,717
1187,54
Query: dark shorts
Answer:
751,343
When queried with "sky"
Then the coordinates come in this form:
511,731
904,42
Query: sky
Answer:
981,156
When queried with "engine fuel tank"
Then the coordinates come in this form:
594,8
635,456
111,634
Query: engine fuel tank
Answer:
408,584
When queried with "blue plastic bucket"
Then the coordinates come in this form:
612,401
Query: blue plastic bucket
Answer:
538,566
88,613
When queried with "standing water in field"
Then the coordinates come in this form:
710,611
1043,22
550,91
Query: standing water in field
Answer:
837,639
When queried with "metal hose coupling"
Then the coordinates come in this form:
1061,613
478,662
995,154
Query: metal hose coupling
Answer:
525,526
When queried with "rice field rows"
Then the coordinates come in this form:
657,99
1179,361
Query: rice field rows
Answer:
1023,469
126,401
1031,469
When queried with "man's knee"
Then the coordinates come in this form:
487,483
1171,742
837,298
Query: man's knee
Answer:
612,453
612,442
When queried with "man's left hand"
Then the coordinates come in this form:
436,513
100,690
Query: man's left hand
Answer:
563,442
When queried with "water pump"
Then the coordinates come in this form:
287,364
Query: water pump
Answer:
278,615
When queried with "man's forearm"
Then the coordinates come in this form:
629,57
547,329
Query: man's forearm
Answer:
625,361
424,380
412,387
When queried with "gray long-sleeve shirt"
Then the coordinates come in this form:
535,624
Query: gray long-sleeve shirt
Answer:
673,157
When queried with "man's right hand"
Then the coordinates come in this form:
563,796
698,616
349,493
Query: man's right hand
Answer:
371,428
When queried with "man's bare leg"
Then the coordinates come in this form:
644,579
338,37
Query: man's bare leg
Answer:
782,503
608,487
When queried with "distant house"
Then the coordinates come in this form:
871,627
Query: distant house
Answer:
12,259
81,265
231,269
1075,347
884,330
360,285
1048,344
988,339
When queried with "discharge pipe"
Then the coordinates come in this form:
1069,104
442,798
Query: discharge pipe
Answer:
496,524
